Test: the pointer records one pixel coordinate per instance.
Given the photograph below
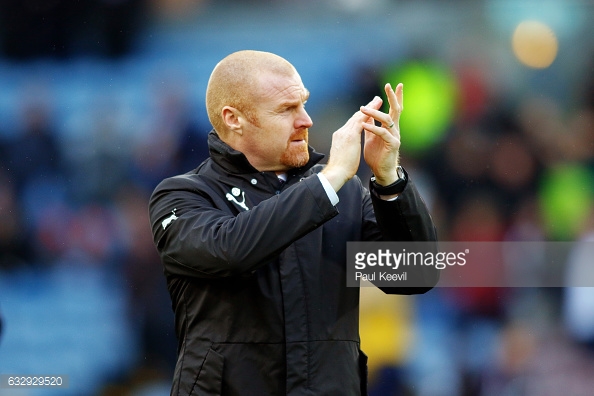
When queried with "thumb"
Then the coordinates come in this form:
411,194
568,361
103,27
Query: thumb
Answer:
375,104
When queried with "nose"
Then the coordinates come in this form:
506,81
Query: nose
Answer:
303,120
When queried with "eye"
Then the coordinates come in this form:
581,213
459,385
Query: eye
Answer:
288,109
292,107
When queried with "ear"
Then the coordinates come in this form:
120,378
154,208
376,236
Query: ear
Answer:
233,119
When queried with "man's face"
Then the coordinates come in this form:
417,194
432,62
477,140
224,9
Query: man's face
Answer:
277,139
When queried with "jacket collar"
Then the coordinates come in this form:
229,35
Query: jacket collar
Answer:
236,162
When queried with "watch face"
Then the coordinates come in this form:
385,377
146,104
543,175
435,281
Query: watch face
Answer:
400,172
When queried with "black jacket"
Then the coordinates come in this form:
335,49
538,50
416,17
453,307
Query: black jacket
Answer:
260,298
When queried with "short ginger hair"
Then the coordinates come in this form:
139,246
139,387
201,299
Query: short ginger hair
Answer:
235,81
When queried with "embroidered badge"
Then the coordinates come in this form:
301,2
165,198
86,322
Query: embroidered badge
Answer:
168,220
232,196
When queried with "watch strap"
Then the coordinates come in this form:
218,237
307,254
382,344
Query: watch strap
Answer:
395,188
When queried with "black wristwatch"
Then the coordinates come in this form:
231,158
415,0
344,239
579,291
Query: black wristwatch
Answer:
395,188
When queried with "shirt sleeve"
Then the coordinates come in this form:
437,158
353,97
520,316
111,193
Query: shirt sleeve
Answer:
332,196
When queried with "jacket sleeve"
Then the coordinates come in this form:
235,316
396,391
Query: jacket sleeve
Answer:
406,219
203,240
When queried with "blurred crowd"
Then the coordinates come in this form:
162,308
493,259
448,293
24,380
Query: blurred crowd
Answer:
489,179
67,28
84,201
88,204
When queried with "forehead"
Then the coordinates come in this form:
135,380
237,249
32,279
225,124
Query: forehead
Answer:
276,88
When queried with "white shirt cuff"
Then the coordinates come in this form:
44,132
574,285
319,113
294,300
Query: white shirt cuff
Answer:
329,190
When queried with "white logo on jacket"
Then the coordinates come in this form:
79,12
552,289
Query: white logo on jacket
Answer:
168,220
236,192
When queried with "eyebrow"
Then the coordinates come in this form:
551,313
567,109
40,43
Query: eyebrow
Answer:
290,103
306,96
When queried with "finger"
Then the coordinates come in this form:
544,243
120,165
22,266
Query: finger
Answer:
383,133
391,95
400,95
377,115
395,100
375,104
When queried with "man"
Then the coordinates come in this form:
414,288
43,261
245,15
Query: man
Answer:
253,241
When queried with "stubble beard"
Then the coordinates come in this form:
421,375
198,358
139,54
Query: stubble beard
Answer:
296,157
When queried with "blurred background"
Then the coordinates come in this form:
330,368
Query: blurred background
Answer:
102,99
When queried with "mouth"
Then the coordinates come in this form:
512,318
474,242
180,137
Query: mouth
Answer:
299,138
